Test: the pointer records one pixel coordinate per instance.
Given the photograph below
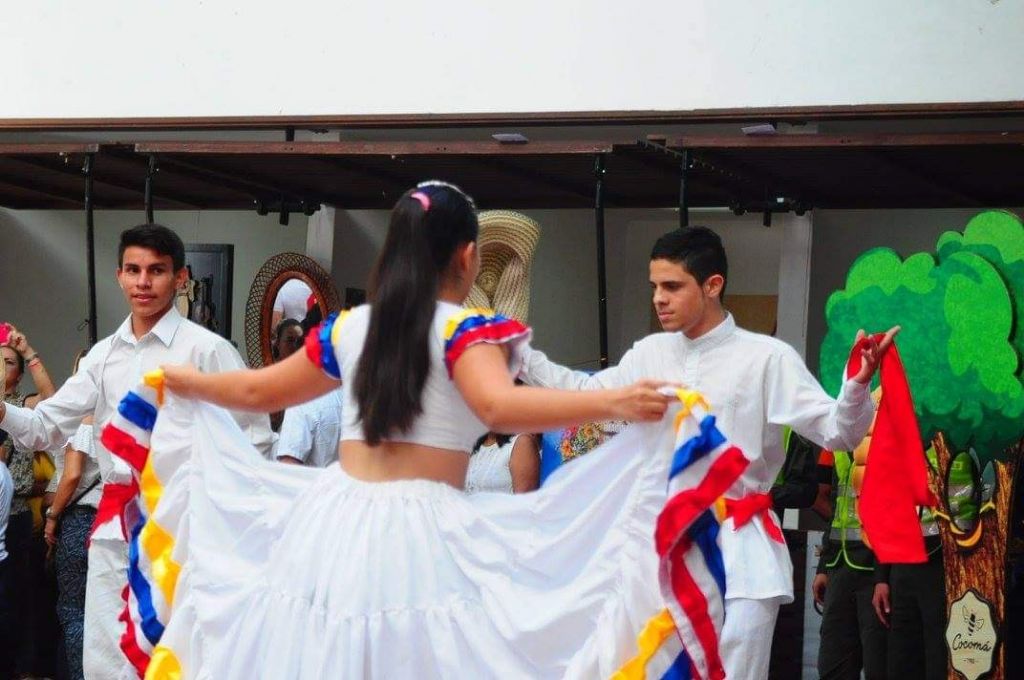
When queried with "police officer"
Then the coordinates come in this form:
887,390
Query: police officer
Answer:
910,599
852,637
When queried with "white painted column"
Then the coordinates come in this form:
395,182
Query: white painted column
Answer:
795,281
320,236
794,294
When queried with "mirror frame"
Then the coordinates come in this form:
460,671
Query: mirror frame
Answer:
265,287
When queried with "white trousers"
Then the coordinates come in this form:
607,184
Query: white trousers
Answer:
102,658
746,642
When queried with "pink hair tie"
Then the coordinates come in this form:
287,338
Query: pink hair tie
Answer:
422,198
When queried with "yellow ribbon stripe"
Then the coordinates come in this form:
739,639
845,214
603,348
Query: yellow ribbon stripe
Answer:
689,399
651,638
455,320
150,487
719,508
159,545
163,665
154,539
155,379
336,330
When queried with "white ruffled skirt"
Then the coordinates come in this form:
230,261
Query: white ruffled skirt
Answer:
289,572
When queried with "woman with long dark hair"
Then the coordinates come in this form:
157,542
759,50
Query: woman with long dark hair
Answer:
382,567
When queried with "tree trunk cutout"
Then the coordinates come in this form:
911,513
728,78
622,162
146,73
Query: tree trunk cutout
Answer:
984,566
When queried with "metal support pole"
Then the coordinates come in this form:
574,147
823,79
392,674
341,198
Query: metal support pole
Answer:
289,136
602,281
684,190
90,247
150,171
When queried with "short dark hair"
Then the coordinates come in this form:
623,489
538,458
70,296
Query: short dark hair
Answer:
155,237
281,326
285,323
698,249
313,319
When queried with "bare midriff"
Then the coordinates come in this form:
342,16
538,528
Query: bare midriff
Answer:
390,461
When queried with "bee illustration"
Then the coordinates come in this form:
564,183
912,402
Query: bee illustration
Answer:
973,621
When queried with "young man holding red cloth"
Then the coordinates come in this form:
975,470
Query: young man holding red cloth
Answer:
756,385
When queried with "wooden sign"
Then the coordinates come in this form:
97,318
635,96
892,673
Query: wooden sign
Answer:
972,635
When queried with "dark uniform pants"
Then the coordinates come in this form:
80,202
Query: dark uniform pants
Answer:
917,637
852,637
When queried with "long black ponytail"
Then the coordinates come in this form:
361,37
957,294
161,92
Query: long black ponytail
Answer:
427,224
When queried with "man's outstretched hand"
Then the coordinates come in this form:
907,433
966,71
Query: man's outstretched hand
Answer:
871,353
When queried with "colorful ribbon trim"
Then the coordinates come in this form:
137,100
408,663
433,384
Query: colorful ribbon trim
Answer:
322,341
474,326
682,641
152,571
660,653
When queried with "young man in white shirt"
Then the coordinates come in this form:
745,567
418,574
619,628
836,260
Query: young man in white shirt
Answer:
310,432
292,302
756,385
151,268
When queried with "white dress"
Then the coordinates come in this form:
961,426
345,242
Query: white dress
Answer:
489,468
284,572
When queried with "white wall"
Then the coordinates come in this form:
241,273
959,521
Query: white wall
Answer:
43,287
563,299
123,58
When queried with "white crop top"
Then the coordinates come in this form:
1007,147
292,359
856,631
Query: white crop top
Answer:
446,422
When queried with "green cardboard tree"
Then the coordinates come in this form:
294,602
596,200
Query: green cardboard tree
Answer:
961,310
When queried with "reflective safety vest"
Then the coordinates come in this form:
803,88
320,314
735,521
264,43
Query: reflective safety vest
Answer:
929,522
787,435
960,492
845,520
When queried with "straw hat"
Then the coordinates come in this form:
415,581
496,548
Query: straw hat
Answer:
506,242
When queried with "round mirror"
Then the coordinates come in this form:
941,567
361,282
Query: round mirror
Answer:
963,491
287,289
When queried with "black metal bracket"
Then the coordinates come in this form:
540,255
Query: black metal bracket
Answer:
151,170
750,193
685,159
685,165
90,247
753,194
283,219
285,207
602,275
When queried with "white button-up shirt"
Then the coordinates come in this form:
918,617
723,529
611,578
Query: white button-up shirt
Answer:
755,385
310,432
6,494
111,368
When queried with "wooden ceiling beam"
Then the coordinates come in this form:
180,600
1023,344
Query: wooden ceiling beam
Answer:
839,141
45,148
928,179
203,173
21,186
100,181
454,148
791,114
541,178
